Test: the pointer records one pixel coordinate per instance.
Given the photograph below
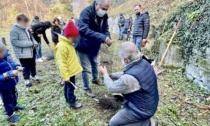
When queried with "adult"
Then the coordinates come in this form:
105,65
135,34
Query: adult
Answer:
94,30
36,20
138,84
62,22
24,48
128,26
141,26
55,30
121,23
39,30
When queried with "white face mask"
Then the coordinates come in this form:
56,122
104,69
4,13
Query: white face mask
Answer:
100,12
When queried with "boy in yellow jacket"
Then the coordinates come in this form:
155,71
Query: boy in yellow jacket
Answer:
68,63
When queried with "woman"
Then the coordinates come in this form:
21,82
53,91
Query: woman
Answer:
55,30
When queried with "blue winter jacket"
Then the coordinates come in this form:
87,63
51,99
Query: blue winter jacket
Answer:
7,64
93,31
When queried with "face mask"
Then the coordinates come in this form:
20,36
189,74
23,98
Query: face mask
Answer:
100,12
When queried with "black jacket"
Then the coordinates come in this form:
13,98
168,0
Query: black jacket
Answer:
141,25
55,29
40,28
93,31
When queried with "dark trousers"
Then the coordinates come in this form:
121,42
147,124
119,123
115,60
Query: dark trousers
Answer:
69,91
9,98
29,67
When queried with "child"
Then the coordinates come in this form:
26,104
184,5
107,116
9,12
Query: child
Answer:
68,63
8,80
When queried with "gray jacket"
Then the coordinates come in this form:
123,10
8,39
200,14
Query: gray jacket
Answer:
141,25
22,42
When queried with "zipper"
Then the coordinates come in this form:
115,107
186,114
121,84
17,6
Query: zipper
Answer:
29,40
11,69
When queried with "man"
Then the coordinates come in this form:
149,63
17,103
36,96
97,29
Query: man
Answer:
94,30
128,26
138,85
141,27
121,23
39,30
24,48
63,24
36,20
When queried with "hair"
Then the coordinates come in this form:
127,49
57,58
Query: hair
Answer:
56,19
129,51
99,1
22,17
47,24
36,17
138,5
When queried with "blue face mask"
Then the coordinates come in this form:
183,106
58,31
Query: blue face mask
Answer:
101,12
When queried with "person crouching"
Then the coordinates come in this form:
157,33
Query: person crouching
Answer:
8,80
138,84
68,63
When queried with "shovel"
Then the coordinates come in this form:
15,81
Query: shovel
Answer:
159,69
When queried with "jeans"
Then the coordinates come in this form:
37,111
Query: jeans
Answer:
39,51
29,67
124,117
88,63
9,98
138,41
69,91
127,33
120,34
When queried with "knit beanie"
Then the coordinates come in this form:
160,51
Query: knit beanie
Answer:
71,30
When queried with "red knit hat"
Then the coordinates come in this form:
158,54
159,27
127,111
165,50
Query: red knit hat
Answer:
71,30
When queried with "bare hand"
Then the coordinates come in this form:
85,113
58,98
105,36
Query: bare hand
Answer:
5,76
15,72
20,69
39,35
102,70
108,41
144,42
36,45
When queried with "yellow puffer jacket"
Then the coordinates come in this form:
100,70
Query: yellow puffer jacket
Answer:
66,58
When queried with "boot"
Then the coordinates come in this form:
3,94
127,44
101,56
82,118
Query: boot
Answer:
13,118
89,93
19,107
76,105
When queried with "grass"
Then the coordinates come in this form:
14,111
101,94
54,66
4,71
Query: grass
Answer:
182,103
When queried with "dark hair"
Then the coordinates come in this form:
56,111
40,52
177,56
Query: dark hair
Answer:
138,5
22,17
36,17
47,24
56,19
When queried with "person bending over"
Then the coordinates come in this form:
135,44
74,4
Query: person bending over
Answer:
39,30
138,84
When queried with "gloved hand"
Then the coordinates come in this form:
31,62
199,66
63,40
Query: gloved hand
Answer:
11,74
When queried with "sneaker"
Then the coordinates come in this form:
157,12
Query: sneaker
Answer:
97,82
40,60
154,121
13,118
36,78
28,83
19,107
89,93
76,106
